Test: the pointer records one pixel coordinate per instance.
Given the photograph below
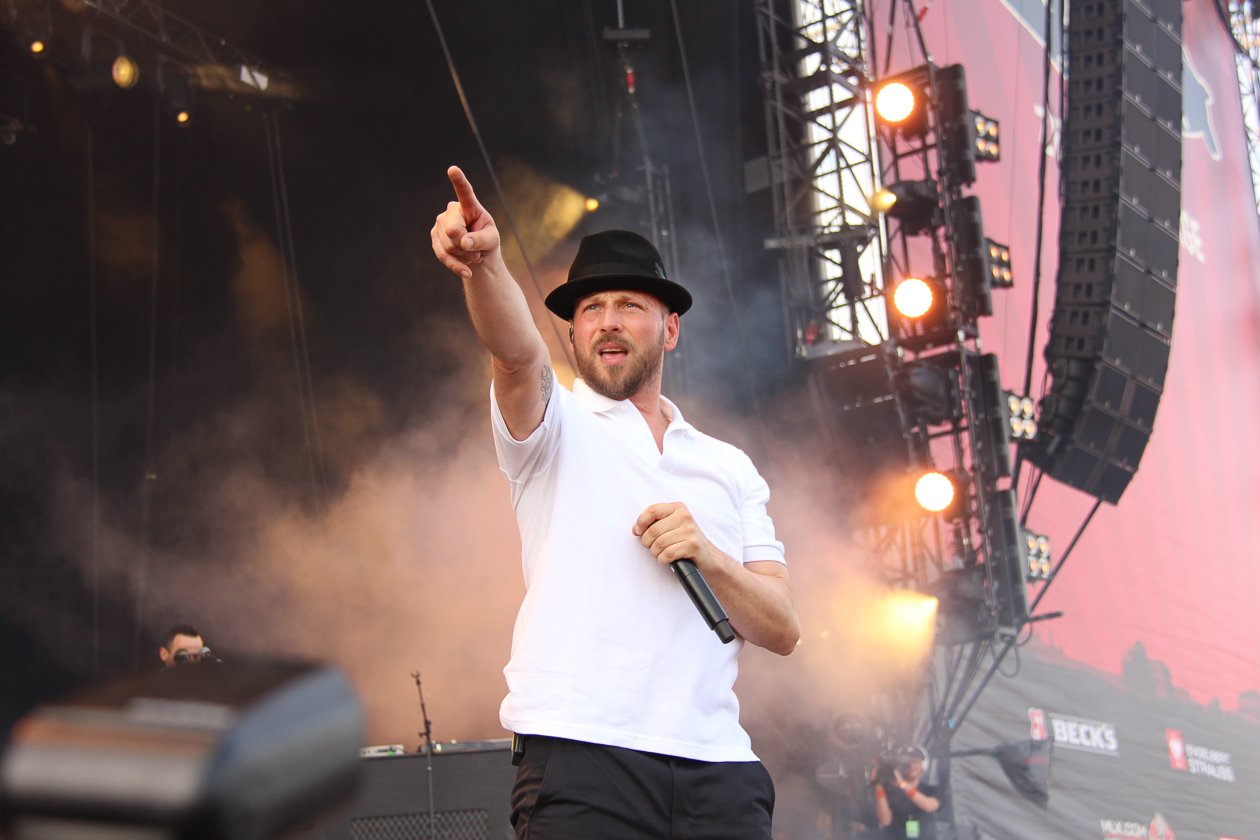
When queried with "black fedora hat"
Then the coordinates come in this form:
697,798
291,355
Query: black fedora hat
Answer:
616,259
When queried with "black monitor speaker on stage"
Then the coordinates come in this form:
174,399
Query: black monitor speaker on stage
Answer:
237,751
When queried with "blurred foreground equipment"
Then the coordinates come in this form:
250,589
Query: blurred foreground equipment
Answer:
239,751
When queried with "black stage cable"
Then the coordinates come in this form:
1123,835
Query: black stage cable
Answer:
1032,494
740,334
1054,573
1041,190
293,302
603,108
485,155
957,722
177,235
94,410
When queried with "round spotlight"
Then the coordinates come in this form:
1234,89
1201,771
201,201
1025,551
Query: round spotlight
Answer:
934,491
182,117
883,200
913,297
124,72
591,204
894,102
36,46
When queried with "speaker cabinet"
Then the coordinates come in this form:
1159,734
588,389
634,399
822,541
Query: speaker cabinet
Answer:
1111,330
471,790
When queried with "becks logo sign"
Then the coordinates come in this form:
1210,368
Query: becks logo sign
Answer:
1074,733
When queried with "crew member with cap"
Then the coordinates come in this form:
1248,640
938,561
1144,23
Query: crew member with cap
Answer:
620,696
906,806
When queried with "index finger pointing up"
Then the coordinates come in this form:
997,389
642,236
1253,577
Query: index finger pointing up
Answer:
468,204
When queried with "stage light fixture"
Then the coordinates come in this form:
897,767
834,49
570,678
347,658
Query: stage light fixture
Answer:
906,620
924,315
175,90
942,492
1020,416
591,204
991,451
963,614
971,254
988,147
915,297
1038,556
902,103
1000,276
124,71
957,131
36,27
916,204
894,102
928,389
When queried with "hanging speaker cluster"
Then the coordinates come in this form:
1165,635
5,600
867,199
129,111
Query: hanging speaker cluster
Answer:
1111,330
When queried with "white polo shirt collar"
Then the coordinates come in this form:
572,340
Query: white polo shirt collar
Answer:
592,400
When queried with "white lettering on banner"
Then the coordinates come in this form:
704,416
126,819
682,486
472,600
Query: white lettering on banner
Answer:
1200,760
1158,829
1205,754
1088,735
1119,829
1191,240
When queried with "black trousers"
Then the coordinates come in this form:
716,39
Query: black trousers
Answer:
571,790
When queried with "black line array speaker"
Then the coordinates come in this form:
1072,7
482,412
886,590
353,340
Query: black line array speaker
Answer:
1111,330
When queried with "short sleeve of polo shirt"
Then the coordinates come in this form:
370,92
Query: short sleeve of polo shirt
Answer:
759,539
520,459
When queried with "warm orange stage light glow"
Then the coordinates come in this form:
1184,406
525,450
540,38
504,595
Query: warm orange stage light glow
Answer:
895,102
913,297
934,491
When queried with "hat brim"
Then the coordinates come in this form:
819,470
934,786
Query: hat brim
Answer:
564,297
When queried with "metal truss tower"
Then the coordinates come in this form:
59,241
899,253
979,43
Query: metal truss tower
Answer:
1245,24
822,170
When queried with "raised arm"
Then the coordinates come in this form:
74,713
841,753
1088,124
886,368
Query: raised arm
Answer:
466,240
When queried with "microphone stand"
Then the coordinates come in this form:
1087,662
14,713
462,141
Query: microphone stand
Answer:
427,735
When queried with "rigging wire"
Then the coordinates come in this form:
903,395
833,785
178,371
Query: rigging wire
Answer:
94,410
287,229
148,475
956,721
498,188
293,303
723,264
1041,192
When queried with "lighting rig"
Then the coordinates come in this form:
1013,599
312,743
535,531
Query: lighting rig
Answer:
941,270
137,44
889,327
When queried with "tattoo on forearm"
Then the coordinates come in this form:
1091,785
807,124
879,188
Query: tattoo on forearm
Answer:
546,385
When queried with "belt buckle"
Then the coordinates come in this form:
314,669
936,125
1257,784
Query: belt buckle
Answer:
518,749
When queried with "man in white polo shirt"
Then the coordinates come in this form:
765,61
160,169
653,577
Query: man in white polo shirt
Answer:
620,695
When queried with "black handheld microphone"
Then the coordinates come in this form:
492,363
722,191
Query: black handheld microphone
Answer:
702,596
